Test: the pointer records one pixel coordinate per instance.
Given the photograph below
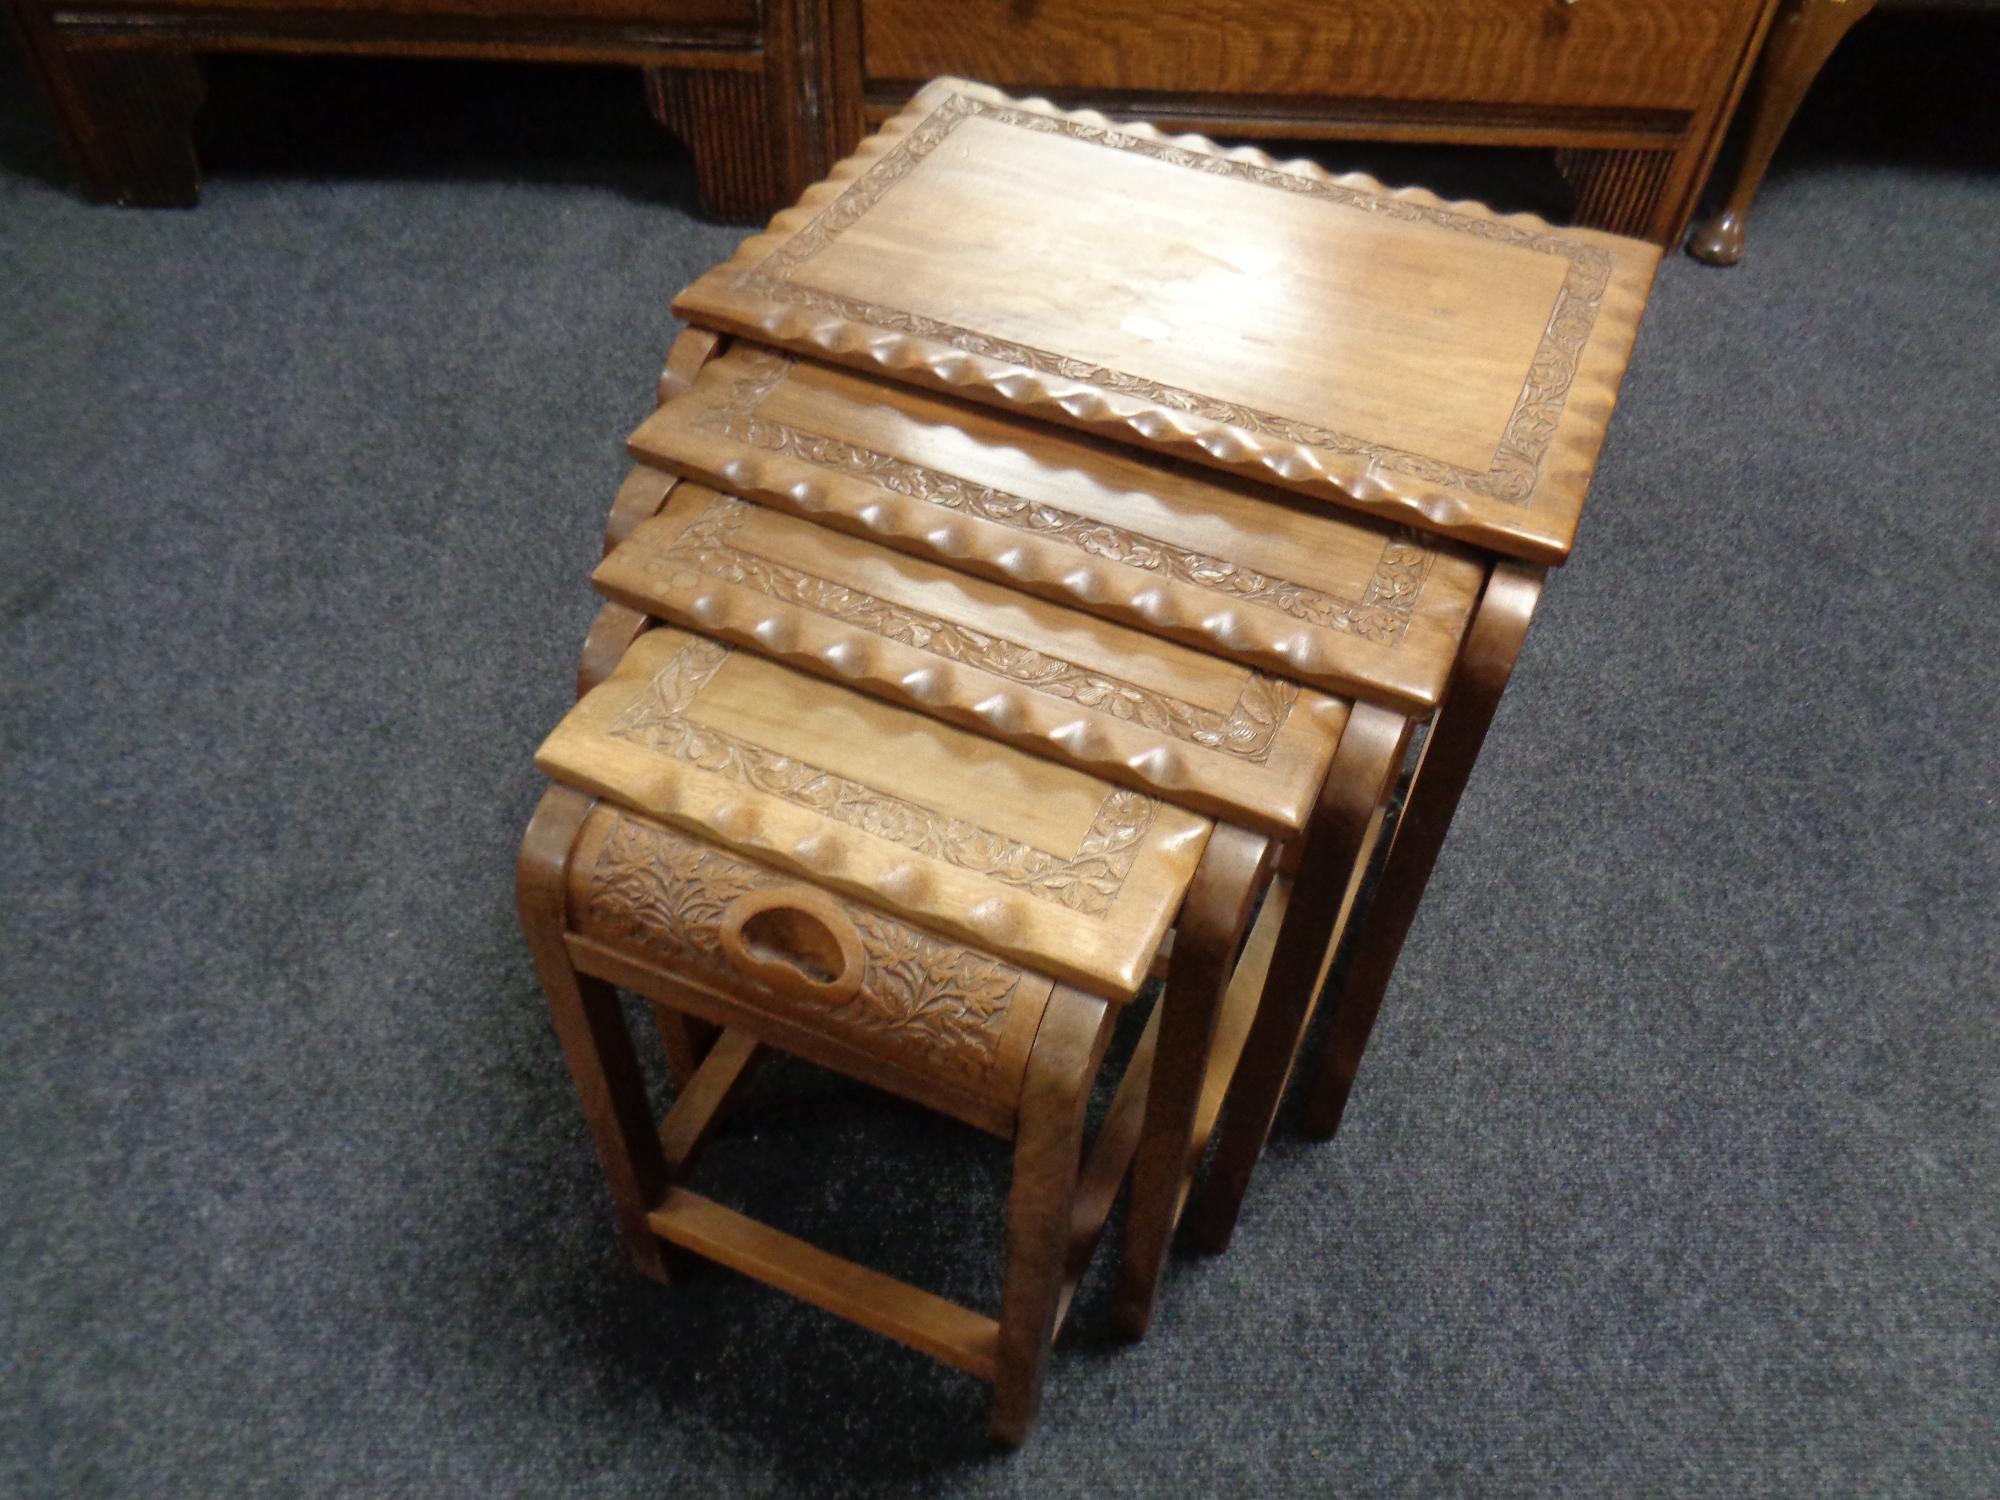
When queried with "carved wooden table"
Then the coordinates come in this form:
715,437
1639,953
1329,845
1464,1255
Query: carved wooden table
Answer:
1017,536
735,749
774,856
1433,364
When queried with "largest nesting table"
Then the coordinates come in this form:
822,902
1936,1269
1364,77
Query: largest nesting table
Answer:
1213,477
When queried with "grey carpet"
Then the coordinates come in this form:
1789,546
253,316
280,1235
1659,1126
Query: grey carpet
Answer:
1675,1166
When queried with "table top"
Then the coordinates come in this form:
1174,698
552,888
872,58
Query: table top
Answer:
1432,363
1288,586
1033,861
1201,731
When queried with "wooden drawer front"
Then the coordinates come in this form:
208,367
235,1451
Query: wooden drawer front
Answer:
693,20
1658,54
1048,867
949,1015
1201,731
1337,602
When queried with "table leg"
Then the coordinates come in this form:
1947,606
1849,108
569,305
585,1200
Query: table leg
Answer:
1802,39
1206,940
127,117
1344,827
1485,663
592,1031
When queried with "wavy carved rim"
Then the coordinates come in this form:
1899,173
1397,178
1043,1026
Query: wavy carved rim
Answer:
1382,614
1087,880
1517,461
1496,508
708,546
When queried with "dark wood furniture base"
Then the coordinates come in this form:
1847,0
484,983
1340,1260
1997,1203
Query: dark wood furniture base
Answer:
743,85
768,96
127,115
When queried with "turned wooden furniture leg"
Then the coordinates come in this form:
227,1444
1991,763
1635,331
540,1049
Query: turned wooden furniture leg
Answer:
1485,663
1345,824
1048,1152
1204,959
127,115
1802,38
592,1031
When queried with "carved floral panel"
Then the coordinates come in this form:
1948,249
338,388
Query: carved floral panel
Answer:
934,1004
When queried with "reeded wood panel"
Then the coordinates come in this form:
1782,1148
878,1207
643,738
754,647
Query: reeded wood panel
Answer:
1204,732
1343,603
1627,53
1435,364
1036,862
1616,190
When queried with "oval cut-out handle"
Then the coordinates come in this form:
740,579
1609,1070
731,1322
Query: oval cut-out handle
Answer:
796,940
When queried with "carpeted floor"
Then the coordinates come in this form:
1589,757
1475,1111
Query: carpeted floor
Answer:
1675,1167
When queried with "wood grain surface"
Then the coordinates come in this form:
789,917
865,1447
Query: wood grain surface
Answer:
1634,53
1201,731
641,495
1341,602
927,1007
1435,364
590,1024
1450,752
1036,862
1345,828
1076,1031
943,1330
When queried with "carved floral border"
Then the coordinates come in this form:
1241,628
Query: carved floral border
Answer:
1516,464
1382,616
940,1004
1248,730
1087,881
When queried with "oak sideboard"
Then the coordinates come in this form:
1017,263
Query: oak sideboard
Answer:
1632,95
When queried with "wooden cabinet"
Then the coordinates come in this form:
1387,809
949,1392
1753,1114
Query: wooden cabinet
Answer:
1632,93
740,80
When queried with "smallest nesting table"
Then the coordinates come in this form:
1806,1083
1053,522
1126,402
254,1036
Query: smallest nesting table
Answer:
770,854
